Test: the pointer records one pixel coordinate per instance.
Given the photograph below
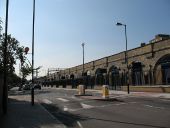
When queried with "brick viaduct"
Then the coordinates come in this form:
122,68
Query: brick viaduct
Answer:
150,62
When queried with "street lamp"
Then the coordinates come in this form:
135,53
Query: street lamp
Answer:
126,58
83,57
5,88
33,22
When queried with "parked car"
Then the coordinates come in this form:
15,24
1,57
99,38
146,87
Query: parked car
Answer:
37,86
26,87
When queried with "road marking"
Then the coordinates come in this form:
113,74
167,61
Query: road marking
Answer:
79,124
120,104
132,102
65,108
47,101
149,106
153,106
165,100
86,106
62,99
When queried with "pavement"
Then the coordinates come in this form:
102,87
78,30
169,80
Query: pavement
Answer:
21,114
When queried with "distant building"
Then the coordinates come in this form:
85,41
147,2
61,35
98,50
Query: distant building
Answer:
148,64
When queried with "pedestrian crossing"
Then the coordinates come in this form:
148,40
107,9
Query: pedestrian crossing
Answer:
62,99
75,104
46,101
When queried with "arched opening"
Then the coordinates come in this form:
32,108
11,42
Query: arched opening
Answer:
62,77
100,76
136,73
89,80
72,76
162,70
72,81
114,78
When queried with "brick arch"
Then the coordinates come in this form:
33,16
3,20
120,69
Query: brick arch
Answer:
159,69
114,79
162,59
112,67
137,77
100,70
72,76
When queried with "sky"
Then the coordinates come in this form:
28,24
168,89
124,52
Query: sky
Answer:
61,26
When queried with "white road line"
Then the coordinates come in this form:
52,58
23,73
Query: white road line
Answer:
65,108
62,99
153,106
149,106
47,101
79,124
86,106
167,100
119,104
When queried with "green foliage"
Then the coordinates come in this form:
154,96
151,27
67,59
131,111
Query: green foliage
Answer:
14,52
26,69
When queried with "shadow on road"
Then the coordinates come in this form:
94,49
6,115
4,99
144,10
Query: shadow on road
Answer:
124,122
68,119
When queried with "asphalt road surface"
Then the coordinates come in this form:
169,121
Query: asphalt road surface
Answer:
119,112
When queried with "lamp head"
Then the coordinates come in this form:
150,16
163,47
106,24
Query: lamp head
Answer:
83,44
119,24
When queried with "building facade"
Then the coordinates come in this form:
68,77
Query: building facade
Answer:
148,64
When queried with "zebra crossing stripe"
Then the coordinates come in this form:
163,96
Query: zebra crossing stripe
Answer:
62,99
47,101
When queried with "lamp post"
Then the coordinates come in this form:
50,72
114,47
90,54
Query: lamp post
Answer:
83,62
33,22
83,57
5,88
0,28
126,58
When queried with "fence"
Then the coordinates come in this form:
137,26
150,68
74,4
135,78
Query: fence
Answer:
116,80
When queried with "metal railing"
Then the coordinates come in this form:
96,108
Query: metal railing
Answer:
115,81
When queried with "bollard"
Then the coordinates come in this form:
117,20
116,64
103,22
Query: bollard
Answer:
81,90
105,91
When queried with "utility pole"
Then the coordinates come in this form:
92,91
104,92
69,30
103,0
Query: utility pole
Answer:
33,22
5,87
126,57
0,28
83,57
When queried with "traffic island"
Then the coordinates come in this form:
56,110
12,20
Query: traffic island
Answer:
104,97
99,98
81,91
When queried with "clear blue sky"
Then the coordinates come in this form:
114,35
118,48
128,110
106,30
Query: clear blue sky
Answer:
62,25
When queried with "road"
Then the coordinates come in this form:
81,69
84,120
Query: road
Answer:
120,112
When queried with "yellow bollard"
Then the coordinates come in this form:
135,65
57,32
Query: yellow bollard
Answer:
105,91
81,90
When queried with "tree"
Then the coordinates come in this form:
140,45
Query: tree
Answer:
26,69
14,52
